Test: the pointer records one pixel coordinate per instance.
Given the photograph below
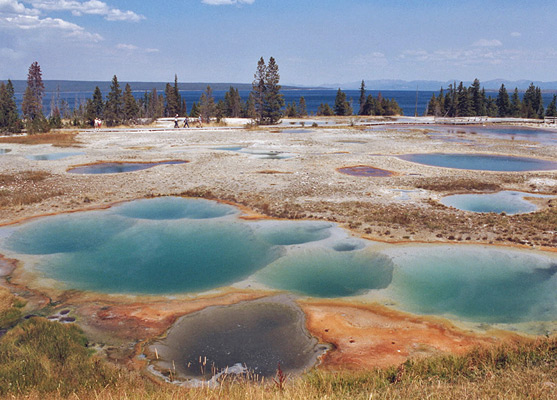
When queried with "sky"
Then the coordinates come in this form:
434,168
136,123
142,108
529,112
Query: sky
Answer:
314,42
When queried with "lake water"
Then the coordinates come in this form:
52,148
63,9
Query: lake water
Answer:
173,245
481,162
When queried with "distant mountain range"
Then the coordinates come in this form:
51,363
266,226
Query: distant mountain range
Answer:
396,84
377,84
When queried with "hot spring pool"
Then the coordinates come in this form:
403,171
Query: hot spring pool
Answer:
116,168
481,162
508,202
172,245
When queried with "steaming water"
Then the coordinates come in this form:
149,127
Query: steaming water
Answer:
481,162
507,201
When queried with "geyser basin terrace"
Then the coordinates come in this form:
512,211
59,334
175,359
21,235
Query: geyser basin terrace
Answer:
173,245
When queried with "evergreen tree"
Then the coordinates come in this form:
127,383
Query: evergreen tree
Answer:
515,104
325,109
302,108
258,89
464,106
274,101
552,108
249,110
503,102
433,106
94,107
362,98
114,104
194,111
233,103
342,106
9,116
292,110
369,105
477,97
130,108
32,104
491,107
207,108
531,102
268,101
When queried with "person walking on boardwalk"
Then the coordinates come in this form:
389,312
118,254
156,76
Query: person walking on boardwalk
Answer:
186,122
176,121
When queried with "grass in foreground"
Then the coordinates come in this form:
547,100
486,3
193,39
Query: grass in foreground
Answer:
47,360
58,139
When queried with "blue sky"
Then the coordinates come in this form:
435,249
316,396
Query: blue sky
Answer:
314,42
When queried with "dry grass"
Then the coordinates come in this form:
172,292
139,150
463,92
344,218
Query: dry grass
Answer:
514,371
58,139
26,187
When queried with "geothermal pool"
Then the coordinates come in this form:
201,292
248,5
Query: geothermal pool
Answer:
481,162
509,202
173,245
117,167
364,170
52,156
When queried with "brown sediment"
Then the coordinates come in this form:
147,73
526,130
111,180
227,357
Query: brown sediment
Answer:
368,336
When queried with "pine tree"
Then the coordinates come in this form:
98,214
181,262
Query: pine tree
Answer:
515,104
274,101
342,106
95,106
325,109
433,106
268,101
194,111
130,108
233,103
503,102
477,99
258,89
302,108
362,98
32,104
207,108
552,108
9,116
464,106
114,104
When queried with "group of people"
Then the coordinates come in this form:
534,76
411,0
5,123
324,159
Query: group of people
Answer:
97,123
186,122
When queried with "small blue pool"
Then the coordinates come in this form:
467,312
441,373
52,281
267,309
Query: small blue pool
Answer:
481,162
116,167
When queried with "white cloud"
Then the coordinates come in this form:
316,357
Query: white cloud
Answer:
32,22
226,2
13,7
134,48
488,43
90,7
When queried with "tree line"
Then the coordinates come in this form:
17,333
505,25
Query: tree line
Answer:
472,101
368,105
